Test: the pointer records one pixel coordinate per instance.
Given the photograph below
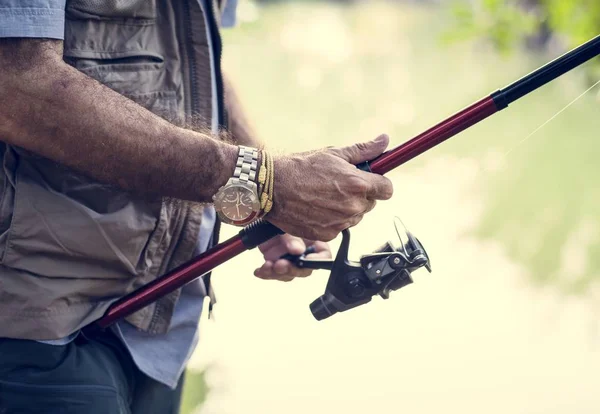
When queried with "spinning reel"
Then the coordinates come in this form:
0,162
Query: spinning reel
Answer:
352,284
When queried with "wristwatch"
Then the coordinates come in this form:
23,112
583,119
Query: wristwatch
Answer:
237,201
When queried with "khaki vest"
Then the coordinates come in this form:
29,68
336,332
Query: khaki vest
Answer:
70,246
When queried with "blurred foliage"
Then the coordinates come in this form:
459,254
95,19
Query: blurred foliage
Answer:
503,23
548,224
331,74
578,20
194,391
506,23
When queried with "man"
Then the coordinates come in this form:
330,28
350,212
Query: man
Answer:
116,132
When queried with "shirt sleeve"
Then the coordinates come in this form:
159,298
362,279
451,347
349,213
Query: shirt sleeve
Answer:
228,17
32,18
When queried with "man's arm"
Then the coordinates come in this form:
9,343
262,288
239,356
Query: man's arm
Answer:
239,125
53,110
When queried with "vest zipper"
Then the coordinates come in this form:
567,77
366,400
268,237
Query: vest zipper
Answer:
194,99
217,52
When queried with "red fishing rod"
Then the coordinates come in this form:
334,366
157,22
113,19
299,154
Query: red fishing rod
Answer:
352,284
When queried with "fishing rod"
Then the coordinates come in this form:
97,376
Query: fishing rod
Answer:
352,284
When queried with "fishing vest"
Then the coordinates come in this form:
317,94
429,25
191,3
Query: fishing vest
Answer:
70,246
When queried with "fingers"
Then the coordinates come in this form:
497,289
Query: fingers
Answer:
284,270
322,250
269,244
281,245
355,220
365,151
281,270
293,245
370,205
380,188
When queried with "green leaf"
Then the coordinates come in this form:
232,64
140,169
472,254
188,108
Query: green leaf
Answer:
194,391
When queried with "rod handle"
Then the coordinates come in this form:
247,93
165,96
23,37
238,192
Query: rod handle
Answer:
364,166
258,232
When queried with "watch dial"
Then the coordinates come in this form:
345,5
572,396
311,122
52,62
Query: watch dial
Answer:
237,203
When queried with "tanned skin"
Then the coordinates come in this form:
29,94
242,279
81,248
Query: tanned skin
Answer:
55,111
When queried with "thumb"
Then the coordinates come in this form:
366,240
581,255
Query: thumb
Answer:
364,151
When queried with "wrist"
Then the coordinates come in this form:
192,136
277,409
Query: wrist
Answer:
284,179
266,183
216,161
227,159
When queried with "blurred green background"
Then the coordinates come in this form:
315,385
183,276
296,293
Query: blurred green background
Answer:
318,73
330,73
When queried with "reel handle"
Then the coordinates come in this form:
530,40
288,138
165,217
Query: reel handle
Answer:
302,262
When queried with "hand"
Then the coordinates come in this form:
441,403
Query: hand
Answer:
275,268
318,194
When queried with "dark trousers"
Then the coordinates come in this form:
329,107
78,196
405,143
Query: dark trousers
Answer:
94,374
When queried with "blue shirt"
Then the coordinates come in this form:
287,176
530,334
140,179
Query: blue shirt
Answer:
161,357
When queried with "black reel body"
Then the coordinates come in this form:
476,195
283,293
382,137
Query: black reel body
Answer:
352,284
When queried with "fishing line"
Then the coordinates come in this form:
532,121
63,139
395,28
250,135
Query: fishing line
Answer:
552,118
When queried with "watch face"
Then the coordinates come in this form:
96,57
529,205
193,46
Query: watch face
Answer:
237,203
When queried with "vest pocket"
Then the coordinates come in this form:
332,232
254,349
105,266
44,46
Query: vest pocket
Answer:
143,10
138,78
65,225
7,195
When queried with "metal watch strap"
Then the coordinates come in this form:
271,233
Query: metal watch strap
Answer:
246,165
